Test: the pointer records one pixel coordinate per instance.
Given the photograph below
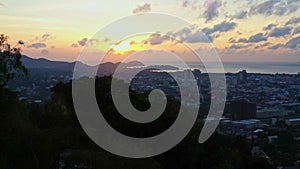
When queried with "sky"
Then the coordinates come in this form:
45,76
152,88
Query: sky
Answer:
240,30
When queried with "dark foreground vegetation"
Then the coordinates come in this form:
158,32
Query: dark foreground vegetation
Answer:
48,135
45,135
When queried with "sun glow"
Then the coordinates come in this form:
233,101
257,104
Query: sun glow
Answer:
121,47
125,47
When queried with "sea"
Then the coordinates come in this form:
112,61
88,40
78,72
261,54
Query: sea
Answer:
234,67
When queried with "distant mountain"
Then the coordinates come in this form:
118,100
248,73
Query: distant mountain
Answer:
133,64
46,64
164,67
41,63
44,74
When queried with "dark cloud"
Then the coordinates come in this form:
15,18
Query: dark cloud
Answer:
240,15
292,1
185,3
45,52
86,41
46,37
232,40
296,30
193,4
142,9
187,35
293,43
183,33
253,39
265,8
190,35
280,10
293,9
93,41
275,46
198,37
241,40
269,27
83,41
222,27
211,9
37,45
293,20
283,9
263,45
257,38
133,42
273,7
156,39
40,41
106,40
1,4
206,35
74,45
279,32
193,34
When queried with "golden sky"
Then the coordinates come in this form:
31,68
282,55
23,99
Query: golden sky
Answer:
241,31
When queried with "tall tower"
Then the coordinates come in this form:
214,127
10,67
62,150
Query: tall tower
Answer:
242,76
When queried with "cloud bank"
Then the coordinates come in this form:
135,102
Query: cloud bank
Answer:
142,9
211,9
37,45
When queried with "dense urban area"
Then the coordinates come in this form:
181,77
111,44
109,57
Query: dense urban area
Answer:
264,109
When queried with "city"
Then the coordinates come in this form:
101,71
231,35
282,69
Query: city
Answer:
133,84
259,107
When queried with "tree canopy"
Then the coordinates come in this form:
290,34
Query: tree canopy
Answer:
10,61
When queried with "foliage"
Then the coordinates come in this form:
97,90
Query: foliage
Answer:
10,61
48,135
51,135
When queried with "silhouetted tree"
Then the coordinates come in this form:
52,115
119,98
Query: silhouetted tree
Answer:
10,61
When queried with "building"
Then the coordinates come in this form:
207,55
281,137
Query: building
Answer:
188,75
270,112
256,151
248,124
242,76
241,110
293,122
197,73
272,138
240,127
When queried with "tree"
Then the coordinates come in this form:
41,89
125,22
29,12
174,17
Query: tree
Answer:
16,130
10,61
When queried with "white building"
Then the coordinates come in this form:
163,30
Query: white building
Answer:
293,122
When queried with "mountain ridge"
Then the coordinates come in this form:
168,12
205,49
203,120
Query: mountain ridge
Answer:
42,63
